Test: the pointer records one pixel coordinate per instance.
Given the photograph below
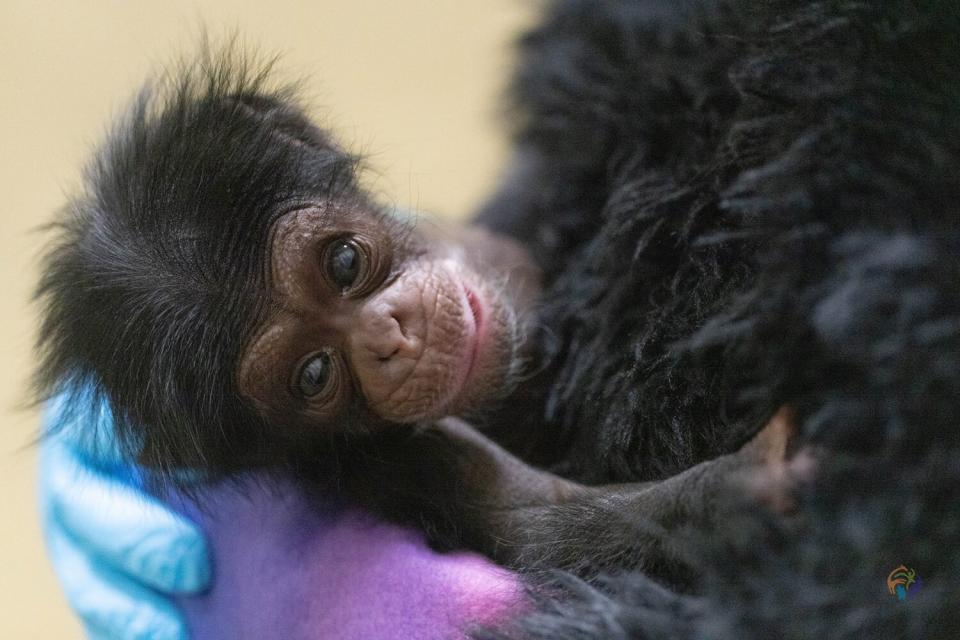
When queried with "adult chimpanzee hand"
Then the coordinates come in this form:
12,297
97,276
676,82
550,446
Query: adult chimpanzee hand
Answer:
119,554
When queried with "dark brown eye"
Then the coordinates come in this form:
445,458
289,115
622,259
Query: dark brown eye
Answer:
343,264
314,375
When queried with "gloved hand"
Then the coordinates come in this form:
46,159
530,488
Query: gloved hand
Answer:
120,554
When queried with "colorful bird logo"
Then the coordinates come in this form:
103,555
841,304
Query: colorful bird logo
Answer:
900,580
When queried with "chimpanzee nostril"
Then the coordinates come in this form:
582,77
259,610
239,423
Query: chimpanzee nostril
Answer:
386,331
389,357
403,329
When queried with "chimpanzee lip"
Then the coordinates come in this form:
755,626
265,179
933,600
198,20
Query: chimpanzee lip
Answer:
475,337
475,308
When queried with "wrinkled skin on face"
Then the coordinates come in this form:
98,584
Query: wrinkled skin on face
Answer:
412,320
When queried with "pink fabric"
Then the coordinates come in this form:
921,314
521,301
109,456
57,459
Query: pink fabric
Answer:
290,569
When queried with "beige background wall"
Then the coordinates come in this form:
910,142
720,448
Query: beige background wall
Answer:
412,82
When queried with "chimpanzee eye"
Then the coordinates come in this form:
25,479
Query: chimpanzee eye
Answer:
314,375
343,263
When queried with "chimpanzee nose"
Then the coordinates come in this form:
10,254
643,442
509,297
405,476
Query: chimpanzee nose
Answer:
384,354
387,340
385,332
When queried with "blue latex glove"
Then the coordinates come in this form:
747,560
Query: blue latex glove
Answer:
119,553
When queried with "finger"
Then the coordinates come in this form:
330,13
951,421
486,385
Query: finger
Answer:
771,445
123,527
111,606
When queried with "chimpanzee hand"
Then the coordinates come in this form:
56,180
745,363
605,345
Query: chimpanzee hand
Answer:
119,553
644,526
464,490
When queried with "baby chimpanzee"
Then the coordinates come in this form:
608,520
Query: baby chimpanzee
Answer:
239,300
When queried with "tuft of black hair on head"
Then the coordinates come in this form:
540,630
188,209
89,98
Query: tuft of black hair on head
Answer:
154,278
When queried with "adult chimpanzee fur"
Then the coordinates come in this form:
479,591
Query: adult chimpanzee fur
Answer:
748,205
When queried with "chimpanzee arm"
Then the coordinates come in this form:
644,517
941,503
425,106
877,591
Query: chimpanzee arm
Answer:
646,526
466,491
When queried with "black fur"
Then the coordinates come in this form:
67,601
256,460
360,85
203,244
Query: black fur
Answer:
747,205
740,205
156,276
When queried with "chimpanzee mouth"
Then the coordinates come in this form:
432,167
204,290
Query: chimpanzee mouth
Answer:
476,337
475,308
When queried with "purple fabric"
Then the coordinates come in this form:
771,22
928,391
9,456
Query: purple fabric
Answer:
290,569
